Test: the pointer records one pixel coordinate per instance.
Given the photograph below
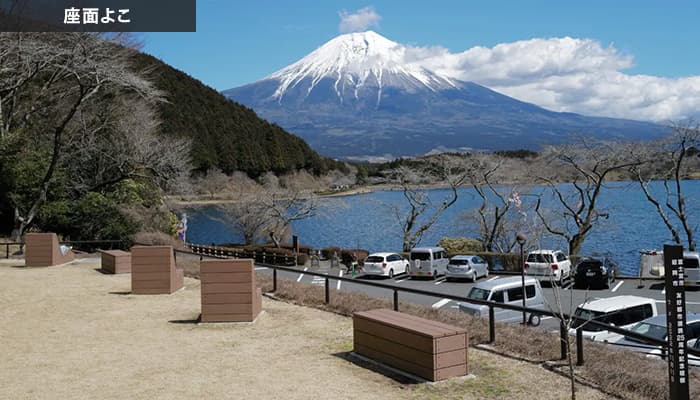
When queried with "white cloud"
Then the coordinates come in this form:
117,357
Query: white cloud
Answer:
360,20
568,74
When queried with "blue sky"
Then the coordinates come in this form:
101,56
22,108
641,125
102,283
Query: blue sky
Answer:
239,42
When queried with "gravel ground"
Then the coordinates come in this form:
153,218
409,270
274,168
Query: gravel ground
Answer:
71,332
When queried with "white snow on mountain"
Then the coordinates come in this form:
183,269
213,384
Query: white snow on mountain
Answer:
359,60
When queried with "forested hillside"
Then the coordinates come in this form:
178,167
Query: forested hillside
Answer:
225,134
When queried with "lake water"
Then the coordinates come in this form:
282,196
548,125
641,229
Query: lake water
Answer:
370,221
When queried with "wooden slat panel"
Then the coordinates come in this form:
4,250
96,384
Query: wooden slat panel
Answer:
228,277
451,372
450,343
152,276
227,308
228,318
226,298
426,373
150,284
409,339
396,349
417,324
236,266
228,288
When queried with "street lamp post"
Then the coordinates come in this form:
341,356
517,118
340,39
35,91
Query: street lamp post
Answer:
521,238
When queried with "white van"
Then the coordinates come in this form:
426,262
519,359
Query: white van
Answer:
691,265
428,262
651,262
508,291
621,311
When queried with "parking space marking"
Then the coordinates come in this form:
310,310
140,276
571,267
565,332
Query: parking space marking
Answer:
439,282
340,274
494,278
441,303
260,268
546,317
617,286
404,279
302,274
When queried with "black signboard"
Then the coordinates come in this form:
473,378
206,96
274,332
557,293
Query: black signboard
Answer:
675,323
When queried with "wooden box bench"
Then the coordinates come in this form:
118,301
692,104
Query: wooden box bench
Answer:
153,270
43,250
228,291
429,349
116,261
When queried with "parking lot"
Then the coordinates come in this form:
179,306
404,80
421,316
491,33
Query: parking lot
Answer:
571,297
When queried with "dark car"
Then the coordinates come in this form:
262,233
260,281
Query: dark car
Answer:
595,272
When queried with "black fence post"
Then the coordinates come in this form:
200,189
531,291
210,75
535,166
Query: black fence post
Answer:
396,300
328,295
274,279
7,250
563,338
579,346
492,325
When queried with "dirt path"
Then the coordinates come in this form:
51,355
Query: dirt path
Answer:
71,332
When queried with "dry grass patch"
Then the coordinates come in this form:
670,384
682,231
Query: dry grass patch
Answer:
614,371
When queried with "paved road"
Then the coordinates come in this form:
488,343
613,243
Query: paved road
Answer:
571,297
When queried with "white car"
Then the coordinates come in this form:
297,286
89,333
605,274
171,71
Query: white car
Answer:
385,264
656,327
466,267
548,265
621,311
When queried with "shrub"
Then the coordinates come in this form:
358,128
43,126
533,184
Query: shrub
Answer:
327,252
302,258
460,245
157,239
347,256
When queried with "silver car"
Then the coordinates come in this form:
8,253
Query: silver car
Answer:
656,327
508,291
467,267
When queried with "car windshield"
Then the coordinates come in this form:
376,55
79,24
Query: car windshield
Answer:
690,262
374,259
590,264
420,256
644,328
459,262
588,315
539,258
478,294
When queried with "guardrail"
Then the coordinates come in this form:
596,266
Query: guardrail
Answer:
563,331
259,256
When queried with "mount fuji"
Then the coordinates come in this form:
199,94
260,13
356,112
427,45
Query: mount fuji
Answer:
357,97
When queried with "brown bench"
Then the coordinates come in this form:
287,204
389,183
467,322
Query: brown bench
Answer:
116,261
228,291
428,349
43,250
153,270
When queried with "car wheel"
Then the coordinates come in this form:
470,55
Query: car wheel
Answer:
434,274
486,275
391,273
534,320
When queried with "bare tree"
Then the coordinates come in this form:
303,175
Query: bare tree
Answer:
46,82
492,215
668,160
590,163
286,208
448,171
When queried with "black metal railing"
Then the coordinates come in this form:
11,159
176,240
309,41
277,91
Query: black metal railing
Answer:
263,257
84,245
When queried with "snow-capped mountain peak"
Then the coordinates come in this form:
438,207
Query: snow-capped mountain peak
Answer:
358,61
